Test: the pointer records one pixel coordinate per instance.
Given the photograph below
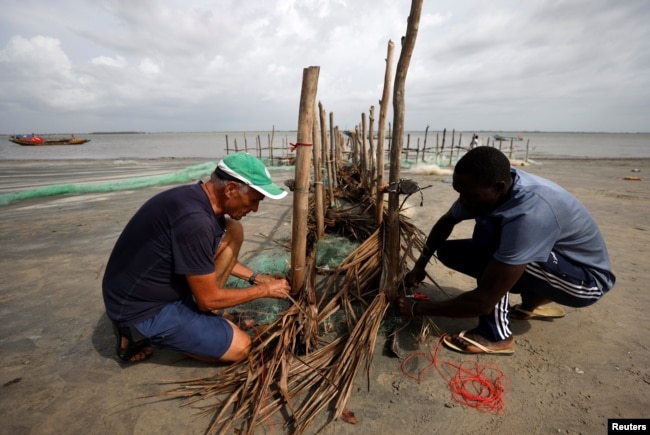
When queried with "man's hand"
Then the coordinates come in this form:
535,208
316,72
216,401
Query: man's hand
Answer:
414,277
263,278
277,288
405,306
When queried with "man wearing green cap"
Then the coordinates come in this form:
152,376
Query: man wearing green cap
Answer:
167,273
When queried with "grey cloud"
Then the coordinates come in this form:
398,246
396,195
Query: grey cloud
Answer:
181,65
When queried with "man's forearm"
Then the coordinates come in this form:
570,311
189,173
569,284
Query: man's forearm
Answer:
241,271
439,233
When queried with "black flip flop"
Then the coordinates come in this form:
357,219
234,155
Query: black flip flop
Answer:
134,347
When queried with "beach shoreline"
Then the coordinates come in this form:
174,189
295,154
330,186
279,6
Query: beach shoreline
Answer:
57,349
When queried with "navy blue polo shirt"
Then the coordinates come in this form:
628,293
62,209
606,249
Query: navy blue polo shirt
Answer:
173,234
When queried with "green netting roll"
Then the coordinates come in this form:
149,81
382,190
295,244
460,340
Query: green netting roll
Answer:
185,175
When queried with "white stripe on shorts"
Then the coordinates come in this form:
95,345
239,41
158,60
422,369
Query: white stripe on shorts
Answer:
574,290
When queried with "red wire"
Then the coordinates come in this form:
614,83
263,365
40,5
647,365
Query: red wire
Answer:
472,385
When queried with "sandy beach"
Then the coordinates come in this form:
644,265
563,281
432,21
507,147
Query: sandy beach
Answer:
59,374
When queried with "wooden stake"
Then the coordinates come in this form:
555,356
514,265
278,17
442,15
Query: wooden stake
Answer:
442,147
381,128
318,178
424,146
391,275
301,190
325,152
271,144
371,149
364,151
451,151
334,178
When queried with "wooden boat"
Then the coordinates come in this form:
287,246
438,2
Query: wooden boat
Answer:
353,133
34,140
502,138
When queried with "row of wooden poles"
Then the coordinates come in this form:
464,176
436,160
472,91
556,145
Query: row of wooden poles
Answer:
346,145
320,152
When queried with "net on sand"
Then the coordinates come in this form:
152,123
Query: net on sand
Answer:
185,175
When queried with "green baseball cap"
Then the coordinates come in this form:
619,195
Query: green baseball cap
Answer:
251,171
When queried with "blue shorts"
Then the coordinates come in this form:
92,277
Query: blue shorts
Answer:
180,326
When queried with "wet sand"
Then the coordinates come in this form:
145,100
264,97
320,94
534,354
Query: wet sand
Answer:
57,349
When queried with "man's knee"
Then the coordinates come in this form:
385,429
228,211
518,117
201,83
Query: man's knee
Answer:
231,242
239,348
234,231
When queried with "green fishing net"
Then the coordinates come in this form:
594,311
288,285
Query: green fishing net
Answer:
330,252
185,175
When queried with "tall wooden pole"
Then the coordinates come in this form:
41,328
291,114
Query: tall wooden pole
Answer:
271,144
424,147
363,152
390,275
333,156
381,128
326,154
318,178
451,149
372,173
301,190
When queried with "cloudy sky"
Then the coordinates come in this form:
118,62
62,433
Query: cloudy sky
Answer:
217,65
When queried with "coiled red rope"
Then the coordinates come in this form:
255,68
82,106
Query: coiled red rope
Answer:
477,386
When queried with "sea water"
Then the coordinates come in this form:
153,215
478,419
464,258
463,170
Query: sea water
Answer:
213,145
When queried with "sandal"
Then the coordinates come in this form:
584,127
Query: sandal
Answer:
461,343
543,312
125,354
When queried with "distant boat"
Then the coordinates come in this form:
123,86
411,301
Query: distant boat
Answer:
500,137
353,133
34,140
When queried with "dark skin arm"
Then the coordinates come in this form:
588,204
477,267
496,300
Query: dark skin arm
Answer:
439,233
498,278
496,281
209,297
